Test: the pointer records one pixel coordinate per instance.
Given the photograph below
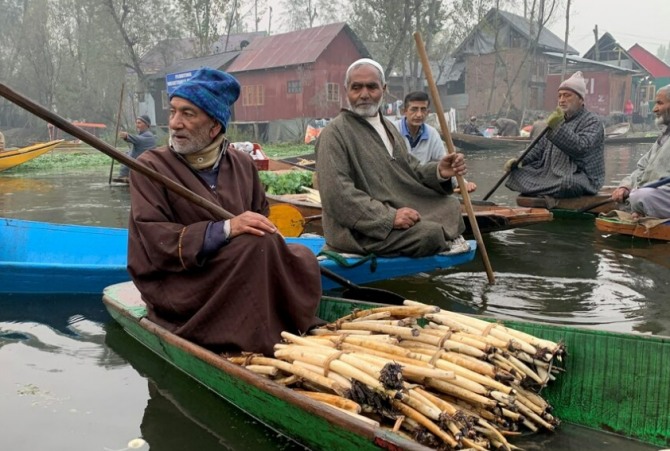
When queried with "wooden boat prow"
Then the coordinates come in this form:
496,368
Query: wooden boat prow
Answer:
613,225
15,157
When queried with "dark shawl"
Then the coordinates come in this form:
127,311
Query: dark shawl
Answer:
241,298
362,186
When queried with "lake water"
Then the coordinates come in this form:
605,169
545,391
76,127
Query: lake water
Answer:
70,379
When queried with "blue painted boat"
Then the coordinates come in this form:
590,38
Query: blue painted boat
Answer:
40,257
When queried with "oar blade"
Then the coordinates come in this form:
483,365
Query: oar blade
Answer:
288,219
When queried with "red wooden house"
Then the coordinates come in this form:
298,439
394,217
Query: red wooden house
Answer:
295,75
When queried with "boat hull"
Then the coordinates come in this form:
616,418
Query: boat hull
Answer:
571,207
474,142
613,382
15,157
84,259
296,416
612,225
39,257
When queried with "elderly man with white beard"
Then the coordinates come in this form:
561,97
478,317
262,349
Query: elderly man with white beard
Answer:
376,197
652,168
228,285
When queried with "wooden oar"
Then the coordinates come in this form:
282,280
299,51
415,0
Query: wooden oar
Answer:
116,133
289,219
450,148
520,159
360,293
216,210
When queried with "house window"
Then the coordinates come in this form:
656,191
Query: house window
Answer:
648,93
253,95
165,102
294,86
332,92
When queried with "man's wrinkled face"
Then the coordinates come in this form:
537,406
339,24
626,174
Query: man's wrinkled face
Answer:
416,112
191,129
569,101
662,108
365,91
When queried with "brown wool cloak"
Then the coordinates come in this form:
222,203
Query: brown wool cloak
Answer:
242,297
362,186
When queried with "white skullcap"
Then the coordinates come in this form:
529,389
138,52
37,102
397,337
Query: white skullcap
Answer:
362,61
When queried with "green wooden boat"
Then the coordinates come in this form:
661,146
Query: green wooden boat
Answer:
613,382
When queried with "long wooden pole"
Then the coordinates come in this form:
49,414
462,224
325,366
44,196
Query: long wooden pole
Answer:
88,138
450,148
519,160
116,132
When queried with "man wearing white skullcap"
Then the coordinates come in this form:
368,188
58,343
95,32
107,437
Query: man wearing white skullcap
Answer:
569,159
377,198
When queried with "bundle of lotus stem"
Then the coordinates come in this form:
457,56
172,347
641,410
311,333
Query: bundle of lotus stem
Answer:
457,382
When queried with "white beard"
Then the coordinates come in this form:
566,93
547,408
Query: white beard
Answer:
366,111
663,119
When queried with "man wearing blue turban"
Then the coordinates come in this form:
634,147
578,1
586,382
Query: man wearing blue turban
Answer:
230,285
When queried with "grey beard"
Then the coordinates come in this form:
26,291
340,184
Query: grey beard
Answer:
196,145
663,119
368,111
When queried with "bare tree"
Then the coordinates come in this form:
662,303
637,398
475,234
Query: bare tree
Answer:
301,14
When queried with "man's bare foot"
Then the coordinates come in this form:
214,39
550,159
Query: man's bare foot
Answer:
636,216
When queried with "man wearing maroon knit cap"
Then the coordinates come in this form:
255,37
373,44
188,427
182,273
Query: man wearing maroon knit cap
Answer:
569,160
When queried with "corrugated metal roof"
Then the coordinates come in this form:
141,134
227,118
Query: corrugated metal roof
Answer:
169,51
650,63
579,59
290,49
216,61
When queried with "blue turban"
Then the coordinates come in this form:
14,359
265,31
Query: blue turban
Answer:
211,90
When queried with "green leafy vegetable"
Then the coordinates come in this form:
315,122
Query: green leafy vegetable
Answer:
285,182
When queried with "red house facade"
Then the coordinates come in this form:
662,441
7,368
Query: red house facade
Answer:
295,75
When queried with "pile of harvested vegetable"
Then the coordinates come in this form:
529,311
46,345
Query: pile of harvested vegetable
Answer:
289,182
444,379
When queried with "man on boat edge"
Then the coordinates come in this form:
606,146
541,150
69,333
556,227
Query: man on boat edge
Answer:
652,167
569,161
228,285
376,197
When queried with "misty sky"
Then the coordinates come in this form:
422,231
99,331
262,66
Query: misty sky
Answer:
644,22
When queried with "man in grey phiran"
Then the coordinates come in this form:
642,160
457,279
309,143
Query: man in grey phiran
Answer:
569,161
376,197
